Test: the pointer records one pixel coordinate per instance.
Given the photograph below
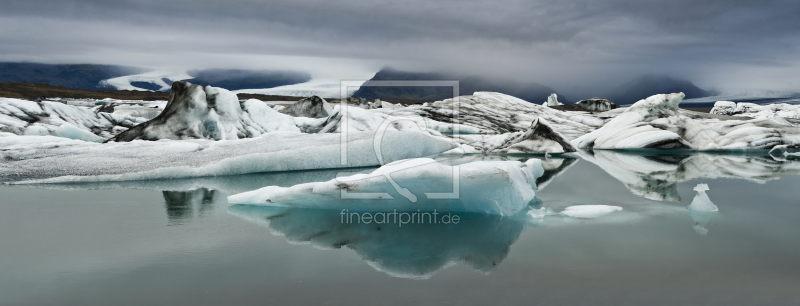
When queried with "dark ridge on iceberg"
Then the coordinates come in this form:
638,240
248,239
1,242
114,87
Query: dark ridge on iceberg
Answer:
528,91
649,85
76,76
246,79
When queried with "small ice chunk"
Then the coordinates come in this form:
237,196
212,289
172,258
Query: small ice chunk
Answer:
701,202
70,131
589,211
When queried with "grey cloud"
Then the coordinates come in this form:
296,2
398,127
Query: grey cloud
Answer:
578,45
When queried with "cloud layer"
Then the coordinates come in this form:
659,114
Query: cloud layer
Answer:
574,46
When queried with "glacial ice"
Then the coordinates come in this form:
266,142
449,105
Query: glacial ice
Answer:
24,117
493,187
552,100
78,161
655,122
701,209
312,107
540,138
154,77
193,112
701,202
485,120
752,110
597,105
589,211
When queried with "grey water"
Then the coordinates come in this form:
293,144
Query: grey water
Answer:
181,243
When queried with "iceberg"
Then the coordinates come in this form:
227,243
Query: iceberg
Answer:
589,211
486,120
752,110
540,138
493,187
552,100
193,112
22,117
597,105
313,107
41,161
657,123
701,209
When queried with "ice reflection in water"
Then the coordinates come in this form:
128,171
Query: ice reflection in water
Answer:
655,175
412,251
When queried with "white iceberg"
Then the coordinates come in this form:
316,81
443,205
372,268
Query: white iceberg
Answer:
589,211
701,209
752,110
78,161
657,123
501,187
701,202
22,117
552,100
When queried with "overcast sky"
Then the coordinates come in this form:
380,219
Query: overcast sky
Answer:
573,46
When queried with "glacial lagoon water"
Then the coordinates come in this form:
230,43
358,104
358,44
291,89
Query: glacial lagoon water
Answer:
180,242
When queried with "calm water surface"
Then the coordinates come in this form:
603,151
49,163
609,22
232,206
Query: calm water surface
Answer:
134,244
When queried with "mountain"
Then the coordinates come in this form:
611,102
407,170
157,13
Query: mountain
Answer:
649,85
246,79
531,92
79,76
87,76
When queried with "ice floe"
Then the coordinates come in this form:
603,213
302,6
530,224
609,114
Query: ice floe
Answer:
77,161
539,138
701,209
753,110
597,105
23,117
501,187
589,211
655,122
552,100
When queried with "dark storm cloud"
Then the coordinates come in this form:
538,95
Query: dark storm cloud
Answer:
581,45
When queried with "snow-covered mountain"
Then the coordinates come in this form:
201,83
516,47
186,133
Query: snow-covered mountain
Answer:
157,80
326,88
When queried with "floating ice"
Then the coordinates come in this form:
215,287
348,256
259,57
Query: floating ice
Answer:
597,105
701,209
502,187
701,202
589,211
753,110
313,107
655,122
77,161
552,100
540,138
24,117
